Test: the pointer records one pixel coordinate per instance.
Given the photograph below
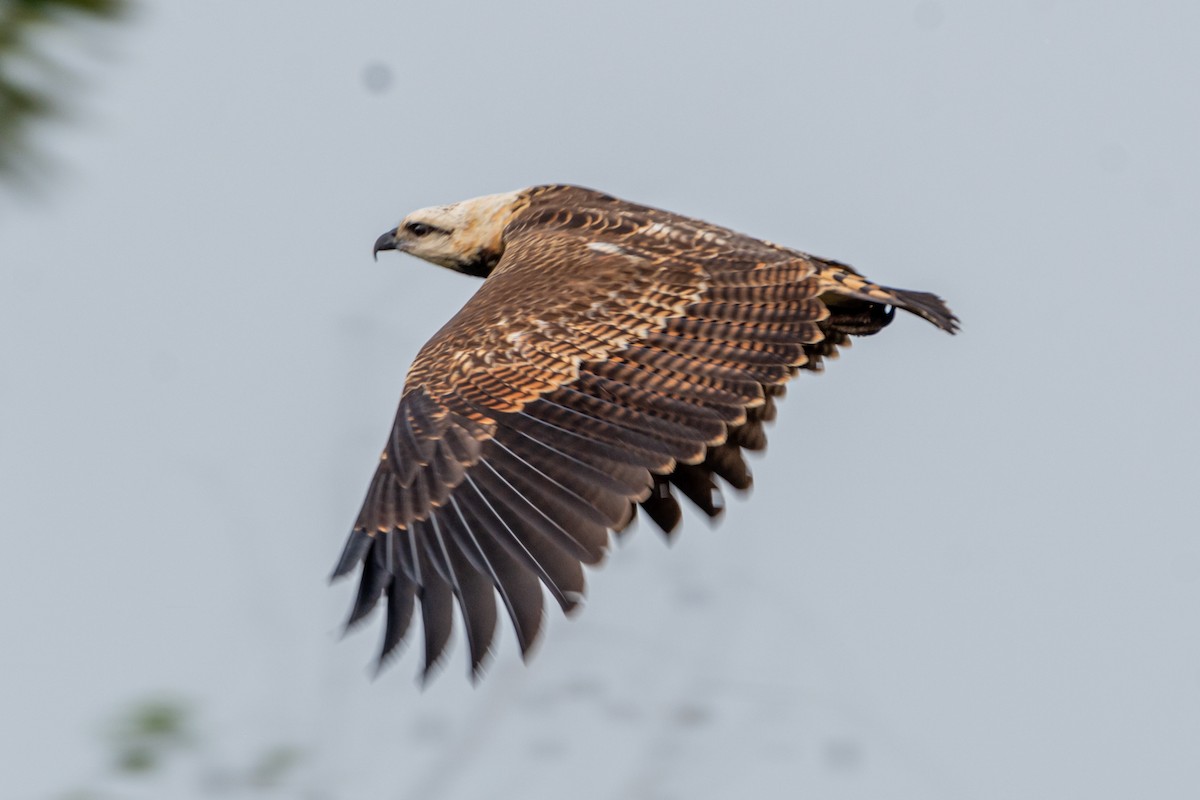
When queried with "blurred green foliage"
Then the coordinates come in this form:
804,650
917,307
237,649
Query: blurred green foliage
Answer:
33,83
149,733
157,745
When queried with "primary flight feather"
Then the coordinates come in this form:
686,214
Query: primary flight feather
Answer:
614,354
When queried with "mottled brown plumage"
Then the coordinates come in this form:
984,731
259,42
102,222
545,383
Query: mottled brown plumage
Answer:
615,354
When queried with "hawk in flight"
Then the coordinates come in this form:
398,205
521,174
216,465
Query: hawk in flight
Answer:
614,356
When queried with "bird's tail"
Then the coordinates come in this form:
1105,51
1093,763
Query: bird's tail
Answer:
846,292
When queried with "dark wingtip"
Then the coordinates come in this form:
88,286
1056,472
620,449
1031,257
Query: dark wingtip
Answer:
475,675
372,583
428,670
352,554
529,644
572,603
383,661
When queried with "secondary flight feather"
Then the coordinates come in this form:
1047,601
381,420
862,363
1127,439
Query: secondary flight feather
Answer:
614,356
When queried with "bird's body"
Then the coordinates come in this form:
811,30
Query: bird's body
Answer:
613,354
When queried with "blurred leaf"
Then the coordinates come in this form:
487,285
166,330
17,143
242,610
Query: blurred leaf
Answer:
274,765
150,732
162,720
137,760
33,86
156,740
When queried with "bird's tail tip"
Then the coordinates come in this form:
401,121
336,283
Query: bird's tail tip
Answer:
928,306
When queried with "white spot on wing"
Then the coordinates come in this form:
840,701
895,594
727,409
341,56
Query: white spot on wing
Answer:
606,247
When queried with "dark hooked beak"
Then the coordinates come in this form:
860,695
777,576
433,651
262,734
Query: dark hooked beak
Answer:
385,242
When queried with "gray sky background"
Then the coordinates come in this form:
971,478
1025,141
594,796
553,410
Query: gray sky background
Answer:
970,567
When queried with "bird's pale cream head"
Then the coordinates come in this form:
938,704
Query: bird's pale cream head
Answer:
465,236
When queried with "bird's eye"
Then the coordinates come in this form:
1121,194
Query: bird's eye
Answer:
418,228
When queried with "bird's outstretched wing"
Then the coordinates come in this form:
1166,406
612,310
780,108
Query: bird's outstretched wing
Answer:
615,353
